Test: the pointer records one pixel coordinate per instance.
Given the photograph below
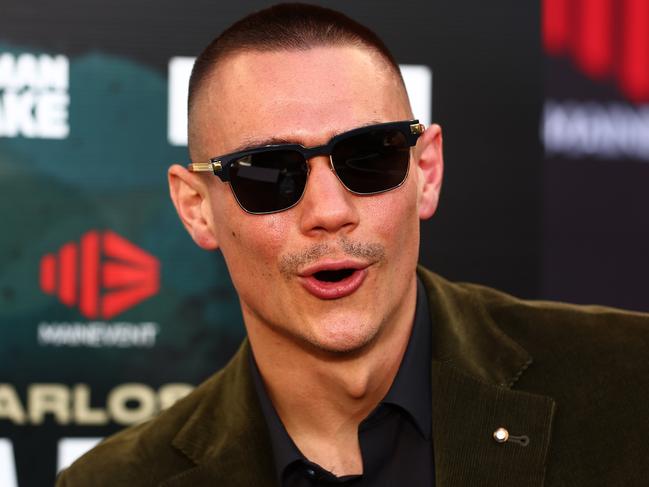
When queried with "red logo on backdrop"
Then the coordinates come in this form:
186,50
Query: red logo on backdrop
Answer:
606,38
104,274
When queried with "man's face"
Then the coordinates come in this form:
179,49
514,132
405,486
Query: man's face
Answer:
276,260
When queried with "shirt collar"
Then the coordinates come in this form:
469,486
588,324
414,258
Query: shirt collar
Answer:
285,450
410,390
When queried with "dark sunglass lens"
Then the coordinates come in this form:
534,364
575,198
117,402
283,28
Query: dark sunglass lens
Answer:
269,181
372,162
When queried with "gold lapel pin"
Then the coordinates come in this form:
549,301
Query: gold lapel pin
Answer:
501,435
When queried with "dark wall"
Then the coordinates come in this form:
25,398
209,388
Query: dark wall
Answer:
488,93
596,134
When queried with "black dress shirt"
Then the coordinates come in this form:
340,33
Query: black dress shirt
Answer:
395,439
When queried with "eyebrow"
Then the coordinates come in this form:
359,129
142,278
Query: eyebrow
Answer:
255,143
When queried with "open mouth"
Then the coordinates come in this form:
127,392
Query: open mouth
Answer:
333,276
332,283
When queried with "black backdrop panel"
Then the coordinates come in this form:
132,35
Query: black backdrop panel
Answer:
596,134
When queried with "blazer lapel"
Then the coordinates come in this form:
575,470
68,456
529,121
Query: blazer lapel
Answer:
467,412
474,368
226,437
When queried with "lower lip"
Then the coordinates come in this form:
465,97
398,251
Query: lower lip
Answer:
334,290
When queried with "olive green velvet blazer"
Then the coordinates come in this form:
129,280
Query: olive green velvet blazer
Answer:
573,380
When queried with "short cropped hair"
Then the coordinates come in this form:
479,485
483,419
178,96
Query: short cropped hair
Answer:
286,27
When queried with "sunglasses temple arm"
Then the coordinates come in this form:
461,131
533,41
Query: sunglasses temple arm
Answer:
212,166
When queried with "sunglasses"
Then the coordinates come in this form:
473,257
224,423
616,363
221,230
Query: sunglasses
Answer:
367,160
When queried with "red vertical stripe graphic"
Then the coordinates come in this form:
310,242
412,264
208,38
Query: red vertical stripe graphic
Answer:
593,42
68,273
89,293
105,274
555,26
48,274
634,73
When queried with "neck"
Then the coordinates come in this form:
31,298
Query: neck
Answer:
322,397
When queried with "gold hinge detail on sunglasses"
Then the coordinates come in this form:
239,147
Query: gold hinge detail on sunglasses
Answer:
417,128
212,166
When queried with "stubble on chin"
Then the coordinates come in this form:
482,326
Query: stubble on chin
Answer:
343,337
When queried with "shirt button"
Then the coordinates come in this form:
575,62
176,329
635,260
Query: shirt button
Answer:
501,435
310,472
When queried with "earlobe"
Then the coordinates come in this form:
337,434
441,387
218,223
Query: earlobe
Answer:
189,196
430,167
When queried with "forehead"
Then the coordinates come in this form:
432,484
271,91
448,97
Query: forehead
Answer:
305,96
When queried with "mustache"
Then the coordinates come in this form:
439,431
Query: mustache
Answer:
290,263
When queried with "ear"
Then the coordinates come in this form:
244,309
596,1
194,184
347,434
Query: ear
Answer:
430,167
189,194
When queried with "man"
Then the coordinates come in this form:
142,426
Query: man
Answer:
320,178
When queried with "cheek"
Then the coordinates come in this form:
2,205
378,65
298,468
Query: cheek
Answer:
243,238
395,219
396,212
251,243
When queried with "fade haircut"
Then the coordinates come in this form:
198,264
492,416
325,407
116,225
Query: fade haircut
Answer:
286,27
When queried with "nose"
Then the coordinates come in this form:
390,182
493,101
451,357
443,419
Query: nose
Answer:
326,206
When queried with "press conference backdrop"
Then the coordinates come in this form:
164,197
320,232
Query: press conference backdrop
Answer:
595,130
108,311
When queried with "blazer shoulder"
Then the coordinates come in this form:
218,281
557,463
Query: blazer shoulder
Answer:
537,317
140,455
574,348
550,330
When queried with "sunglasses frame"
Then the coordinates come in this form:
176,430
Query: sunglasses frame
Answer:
220,165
